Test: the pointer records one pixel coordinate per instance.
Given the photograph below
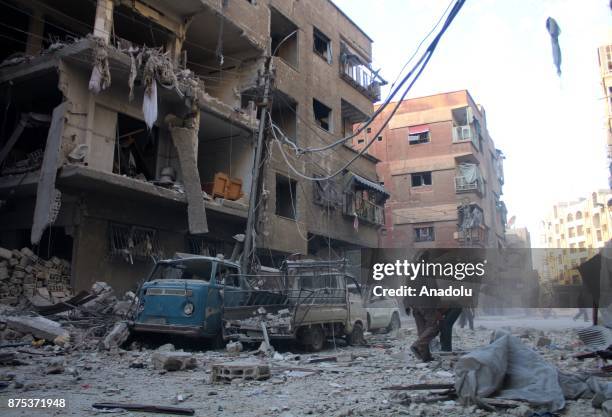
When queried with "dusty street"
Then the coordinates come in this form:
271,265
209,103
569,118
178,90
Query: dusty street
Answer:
352,384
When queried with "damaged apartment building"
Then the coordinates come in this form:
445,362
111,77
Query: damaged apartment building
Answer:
443,171
128,128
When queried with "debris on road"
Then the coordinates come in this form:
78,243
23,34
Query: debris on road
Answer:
145,408
173,361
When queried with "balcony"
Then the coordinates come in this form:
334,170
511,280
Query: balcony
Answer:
462,185
462,133
364,209
474,236
355,71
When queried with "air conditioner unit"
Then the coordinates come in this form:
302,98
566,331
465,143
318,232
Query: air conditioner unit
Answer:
464,132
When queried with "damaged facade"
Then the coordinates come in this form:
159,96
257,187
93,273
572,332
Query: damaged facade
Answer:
130,126
444,174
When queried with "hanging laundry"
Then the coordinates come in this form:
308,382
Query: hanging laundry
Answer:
555,31
149,104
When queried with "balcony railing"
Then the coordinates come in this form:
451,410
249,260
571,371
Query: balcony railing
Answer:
462,185
477,235
462,133
364,209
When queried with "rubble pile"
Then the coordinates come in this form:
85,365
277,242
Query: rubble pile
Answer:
279,322
23,274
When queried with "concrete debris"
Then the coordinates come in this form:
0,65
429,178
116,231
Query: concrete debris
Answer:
227,372
168,347
55,366
117,336
26,276
234,347
100,78
39,327
173,361
543,342
606,408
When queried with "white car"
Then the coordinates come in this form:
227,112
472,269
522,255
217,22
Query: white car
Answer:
383,313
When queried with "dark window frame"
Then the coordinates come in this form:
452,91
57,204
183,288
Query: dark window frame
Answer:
322,45
424,234
424,179
287,211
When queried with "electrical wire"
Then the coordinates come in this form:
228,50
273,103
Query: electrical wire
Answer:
451,15
416,70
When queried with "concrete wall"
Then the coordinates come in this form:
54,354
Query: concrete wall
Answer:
433,205
315,78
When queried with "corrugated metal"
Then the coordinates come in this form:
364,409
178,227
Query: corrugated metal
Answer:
370,184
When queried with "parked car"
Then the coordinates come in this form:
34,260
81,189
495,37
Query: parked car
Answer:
317,305
383,313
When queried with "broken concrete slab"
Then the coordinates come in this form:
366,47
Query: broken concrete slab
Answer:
185,141
39,327
117,336
227,372
173,361
234,347
168,347
55,366
46,193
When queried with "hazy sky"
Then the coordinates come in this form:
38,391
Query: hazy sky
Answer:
551,129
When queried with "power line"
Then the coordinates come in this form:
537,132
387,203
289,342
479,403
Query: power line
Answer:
416,70
457,6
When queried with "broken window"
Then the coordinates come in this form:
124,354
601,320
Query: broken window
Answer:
420,179
134,242
284,35
24,123
322,45
133,28
424,234
198,245
470,223
135,148
13,30
322,115
327,193
286,197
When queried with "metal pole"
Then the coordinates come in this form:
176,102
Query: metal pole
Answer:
249,244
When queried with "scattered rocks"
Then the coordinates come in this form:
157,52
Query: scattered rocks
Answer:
543,341
55,366
173,361
168,347
234,347
117,336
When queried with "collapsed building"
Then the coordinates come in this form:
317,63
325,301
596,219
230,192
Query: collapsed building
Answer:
129,127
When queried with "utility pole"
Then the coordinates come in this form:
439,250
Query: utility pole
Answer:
254,197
